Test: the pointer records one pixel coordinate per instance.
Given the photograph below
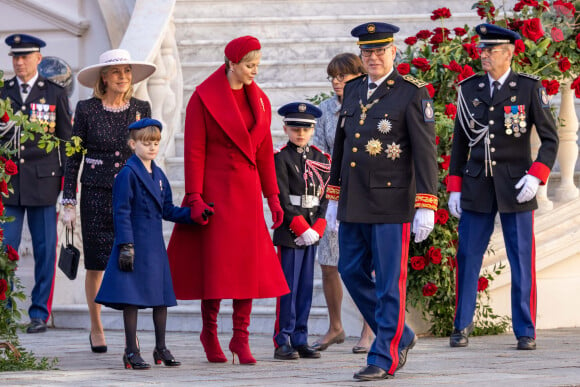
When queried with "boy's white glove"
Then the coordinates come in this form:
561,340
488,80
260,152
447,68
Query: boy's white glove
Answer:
309,237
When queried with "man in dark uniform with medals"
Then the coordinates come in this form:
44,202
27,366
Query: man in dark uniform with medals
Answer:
383,177
491,170
38,182
302,173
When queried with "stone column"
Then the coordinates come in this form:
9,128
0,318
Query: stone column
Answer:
568,150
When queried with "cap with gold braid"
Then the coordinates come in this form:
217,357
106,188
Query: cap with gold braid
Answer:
373,34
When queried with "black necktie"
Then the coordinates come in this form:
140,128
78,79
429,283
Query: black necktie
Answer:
496,85
24,87
372,86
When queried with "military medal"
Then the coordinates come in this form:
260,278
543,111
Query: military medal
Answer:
364,109
374,147
523,124
384,126
393,151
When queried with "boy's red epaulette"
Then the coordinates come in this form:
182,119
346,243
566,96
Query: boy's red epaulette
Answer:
318,149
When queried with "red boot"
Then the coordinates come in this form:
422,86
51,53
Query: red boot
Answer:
241,320
209,337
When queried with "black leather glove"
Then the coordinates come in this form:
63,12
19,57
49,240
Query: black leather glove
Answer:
126,257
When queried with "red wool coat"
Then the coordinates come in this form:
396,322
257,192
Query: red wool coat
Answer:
230,165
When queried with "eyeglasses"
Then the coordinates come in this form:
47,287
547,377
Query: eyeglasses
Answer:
339,77
378,51
488,51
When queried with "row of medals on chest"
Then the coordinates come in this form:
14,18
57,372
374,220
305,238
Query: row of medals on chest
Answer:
44,114
514,119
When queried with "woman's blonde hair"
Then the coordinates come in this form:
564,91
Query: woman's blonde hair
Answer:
100,88
250,56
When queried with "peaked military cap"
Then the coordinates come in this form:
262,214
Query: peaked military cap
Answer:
300,114
492,35
371,35
22,44
145,122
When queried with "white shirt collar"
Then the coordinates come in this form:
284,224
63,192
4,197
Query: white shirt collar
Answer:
380,80
501,79
30,83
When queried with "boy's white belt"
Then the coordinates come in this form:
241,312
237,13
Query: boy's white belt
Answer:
304,201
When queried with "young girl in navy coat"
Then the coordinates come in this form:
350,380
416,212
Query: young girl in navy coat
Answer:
137,275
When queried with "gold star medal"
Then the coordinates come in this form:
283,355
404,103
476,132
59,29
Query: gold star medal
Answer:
374,147
393,151
384,126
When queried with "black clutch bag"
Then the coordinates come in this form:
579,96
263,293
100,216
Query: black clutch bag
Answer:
68,260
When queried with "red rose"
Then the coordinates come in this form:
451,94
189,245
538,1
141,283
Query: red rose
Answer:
417,263
5,117
3,289
578,41
434,254
564,8
459,31
442,31
471,49
1,208
445,164
453,66
552,87
410,40
12,254
445,180
482,284
10,168
557,35
450,110
532,29
404,68
576,87
441,13
466,72
4,187
436,39
431,90
421,63
437,139
424,34
429,289
441,216
520,47
564,64
451,262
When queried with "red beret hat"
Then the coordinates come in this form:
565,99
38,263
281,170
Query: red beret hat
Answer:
239,47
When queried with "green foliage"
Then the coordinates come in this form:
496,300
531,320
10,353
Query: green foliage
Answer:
318,98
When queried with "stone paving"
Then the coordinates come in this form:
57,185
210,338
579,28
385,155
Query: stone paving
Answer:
488,361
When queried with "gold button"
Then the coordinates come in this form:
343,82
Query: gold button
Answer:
52,173
388,183
491,108
492,135
22,147
354,149
492,149
357,135
491,122
21,161
352,164
493,163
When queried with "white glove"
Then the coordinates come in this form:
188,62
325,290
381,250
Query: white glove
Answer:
300,241
310,237
69,216
454,204
331,222
423,223
529,185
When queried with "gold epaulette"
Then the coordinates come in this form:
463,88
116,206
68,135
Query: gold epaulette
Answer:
532,76
414,81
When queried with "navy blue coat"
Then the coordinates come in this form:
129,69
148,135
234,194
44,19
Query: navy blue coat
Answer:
140,202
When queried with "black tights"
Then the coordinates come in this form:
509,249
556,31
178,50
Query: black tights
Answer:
130,320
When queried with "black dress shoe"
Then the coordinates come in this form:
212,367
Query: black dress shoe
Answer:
307,352
285,352
36,326
526,343
372,372
459,338
403,353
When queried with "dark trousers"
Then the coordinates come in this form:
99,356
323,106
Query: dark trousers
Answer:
384,248
475,230
293,309
42,226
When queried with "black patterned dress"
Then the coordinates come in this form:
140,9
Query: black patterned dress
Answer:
104,135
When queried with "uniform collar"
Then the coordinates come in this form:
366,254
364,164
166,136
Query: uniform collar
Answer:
299,149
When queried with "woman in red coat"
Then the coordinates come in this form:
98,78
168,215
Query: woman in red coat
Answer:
229,163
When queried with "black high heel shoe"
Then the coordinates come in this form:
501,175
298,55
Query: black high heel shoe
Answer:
97,348
135,361
163,355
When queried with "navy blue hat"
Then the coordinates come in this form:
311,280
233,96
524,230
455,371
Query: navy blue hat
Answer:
300,114
492,35
371,35
22,44
145,122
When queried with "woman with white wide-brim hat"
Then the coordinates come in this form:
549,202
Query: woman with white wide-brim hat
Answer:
101,122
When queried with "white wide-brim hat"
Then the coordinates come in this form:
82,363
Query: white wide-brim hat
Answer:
141,70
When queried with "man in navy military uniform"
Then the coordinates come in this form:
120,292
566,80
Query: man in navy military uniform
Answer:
38,182
383,177
491,170
302,172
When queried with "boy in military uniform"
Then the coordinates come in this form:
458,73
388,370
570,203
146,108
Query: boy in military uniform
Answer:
38,182
302,172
